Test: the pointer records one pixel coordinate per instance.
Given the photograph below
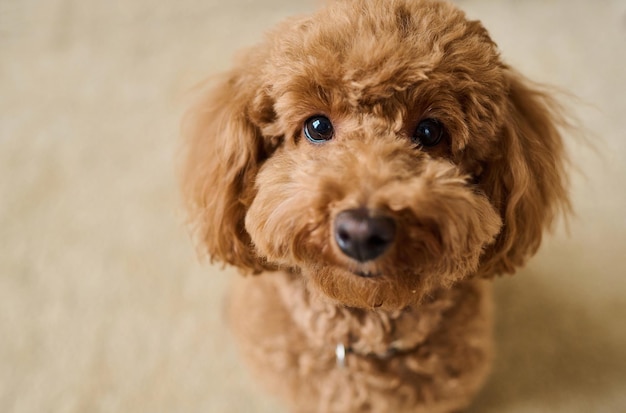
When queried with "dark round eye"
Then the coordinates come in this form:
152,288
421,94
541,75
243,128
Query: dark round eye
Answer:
318,129
429,132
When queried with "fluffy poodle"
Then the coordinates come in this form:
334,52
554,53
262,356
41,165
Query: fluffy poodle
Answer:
372,165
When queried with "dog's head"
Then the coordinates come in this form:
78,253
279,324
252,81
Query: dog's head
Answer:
381,148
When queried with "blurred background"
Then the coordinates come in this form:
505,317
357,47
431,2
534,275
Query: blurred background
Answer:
104,305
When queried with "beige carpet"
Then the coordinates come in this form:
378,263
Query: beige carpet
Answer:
103,306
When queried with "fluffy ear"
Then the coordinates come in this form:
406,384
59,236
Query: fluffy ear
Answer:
527,181
224,150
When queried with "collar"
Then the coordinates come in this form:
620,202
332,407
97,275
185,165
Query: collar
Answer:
341,352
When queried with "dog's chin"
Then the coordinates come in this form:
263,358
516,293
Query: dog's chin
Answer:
365,289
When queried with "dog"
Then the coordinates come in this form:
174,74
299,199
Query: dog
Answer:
371,167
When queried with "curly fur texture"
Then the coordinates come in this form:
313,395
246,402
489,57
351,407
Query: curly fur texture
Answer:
264,199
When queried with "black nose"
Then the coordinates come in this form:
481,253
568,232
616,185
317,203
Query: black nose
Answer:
362,235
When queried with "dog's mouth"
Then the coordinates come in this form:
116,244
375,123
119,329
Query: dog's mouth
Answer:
367,274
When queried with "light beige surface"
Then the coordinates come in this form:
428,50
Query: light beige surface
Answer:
103,306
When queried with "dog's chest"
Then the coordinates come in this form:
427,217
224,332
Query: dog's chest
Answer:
331,328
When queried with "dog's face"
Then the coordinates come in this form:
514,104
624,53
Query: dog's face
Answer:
380,148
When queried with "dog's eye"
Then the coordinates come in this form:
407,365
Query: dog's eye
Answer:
429,132
318,129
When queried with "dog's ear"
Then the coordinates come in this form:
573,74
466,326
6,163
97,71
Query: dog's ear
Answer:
224,150
527,180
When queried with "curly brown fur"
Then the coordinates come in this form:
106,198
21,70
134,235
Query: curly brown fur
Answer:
265,199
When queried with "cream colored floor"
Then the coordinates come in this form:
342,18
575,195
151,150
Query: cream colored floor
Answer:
103,305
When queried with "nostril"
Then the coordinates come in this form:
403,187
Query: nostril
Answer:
376,241
343,235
